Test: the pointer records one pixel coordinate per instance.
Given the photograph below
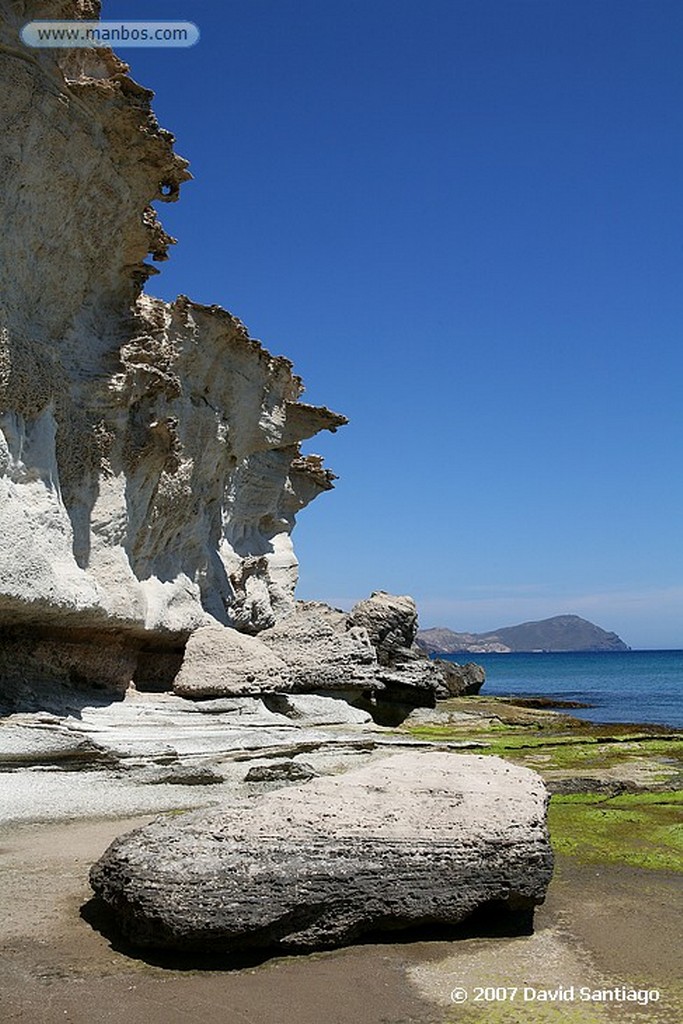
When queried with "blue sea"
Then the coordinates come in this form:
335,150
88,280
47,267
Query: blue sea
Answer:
621,686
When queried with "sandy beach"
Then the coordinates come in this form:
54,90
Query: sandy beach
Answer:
601,927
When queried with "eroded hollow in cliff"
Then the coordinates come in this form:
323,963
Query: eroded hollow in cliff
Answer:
158,665
52,667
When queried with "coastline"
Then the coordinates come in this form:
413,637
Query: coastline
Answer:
616,788
613,683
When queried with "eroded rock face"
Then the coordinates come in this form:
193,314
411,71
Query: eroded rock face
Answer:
416,839
405,675
150,470
150,464
391,623
322,650
319,649
315,709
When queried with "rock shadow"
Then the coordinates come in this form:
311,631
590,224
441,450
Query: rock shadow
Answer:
58,699
495,919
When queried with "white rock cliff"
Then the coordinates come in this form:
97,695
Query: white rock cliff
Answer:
150,465
150,461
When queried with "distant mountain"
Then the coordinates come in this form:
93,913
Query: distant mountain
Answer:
560,633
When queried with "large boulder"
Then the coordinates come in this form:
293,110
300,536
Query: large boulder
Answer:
415,839
461,680
220,662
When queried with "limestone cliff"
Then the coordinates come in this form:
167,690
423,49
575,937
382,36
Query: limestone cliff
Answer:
150,465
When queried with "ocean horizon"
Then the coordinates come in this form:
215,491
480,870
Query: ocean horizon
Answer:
620,686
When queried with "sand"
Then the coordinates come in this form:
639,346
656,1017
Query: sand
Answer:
600,926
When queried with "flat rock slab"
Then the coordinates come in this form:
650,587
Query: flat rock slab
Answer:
47,744
314,709
411,840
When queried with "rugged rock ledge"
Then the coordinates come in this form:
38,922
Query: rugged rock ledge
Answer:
367,656
412,840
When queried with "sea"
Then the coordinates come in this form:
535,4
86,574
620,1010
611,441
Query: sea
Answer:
619,686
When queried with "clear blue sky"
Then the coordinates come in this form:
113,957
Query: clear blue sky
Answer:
462,220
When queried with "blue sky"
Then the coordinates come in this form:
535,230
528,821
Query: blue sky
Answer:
462,221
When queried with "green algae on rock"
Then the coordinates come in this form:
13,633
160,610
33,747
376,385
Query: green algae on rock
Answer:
616,787
640,829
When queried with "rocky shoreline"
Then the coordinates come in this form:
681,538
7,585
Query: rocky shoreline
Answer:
154,752
57,818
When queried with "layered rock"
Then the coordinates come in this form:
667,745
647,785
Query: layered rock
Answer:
390,621
366,656
416,839
150,465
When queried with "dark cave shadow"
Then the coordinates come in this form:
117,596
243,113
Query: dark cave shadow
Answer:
492,920
60,702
